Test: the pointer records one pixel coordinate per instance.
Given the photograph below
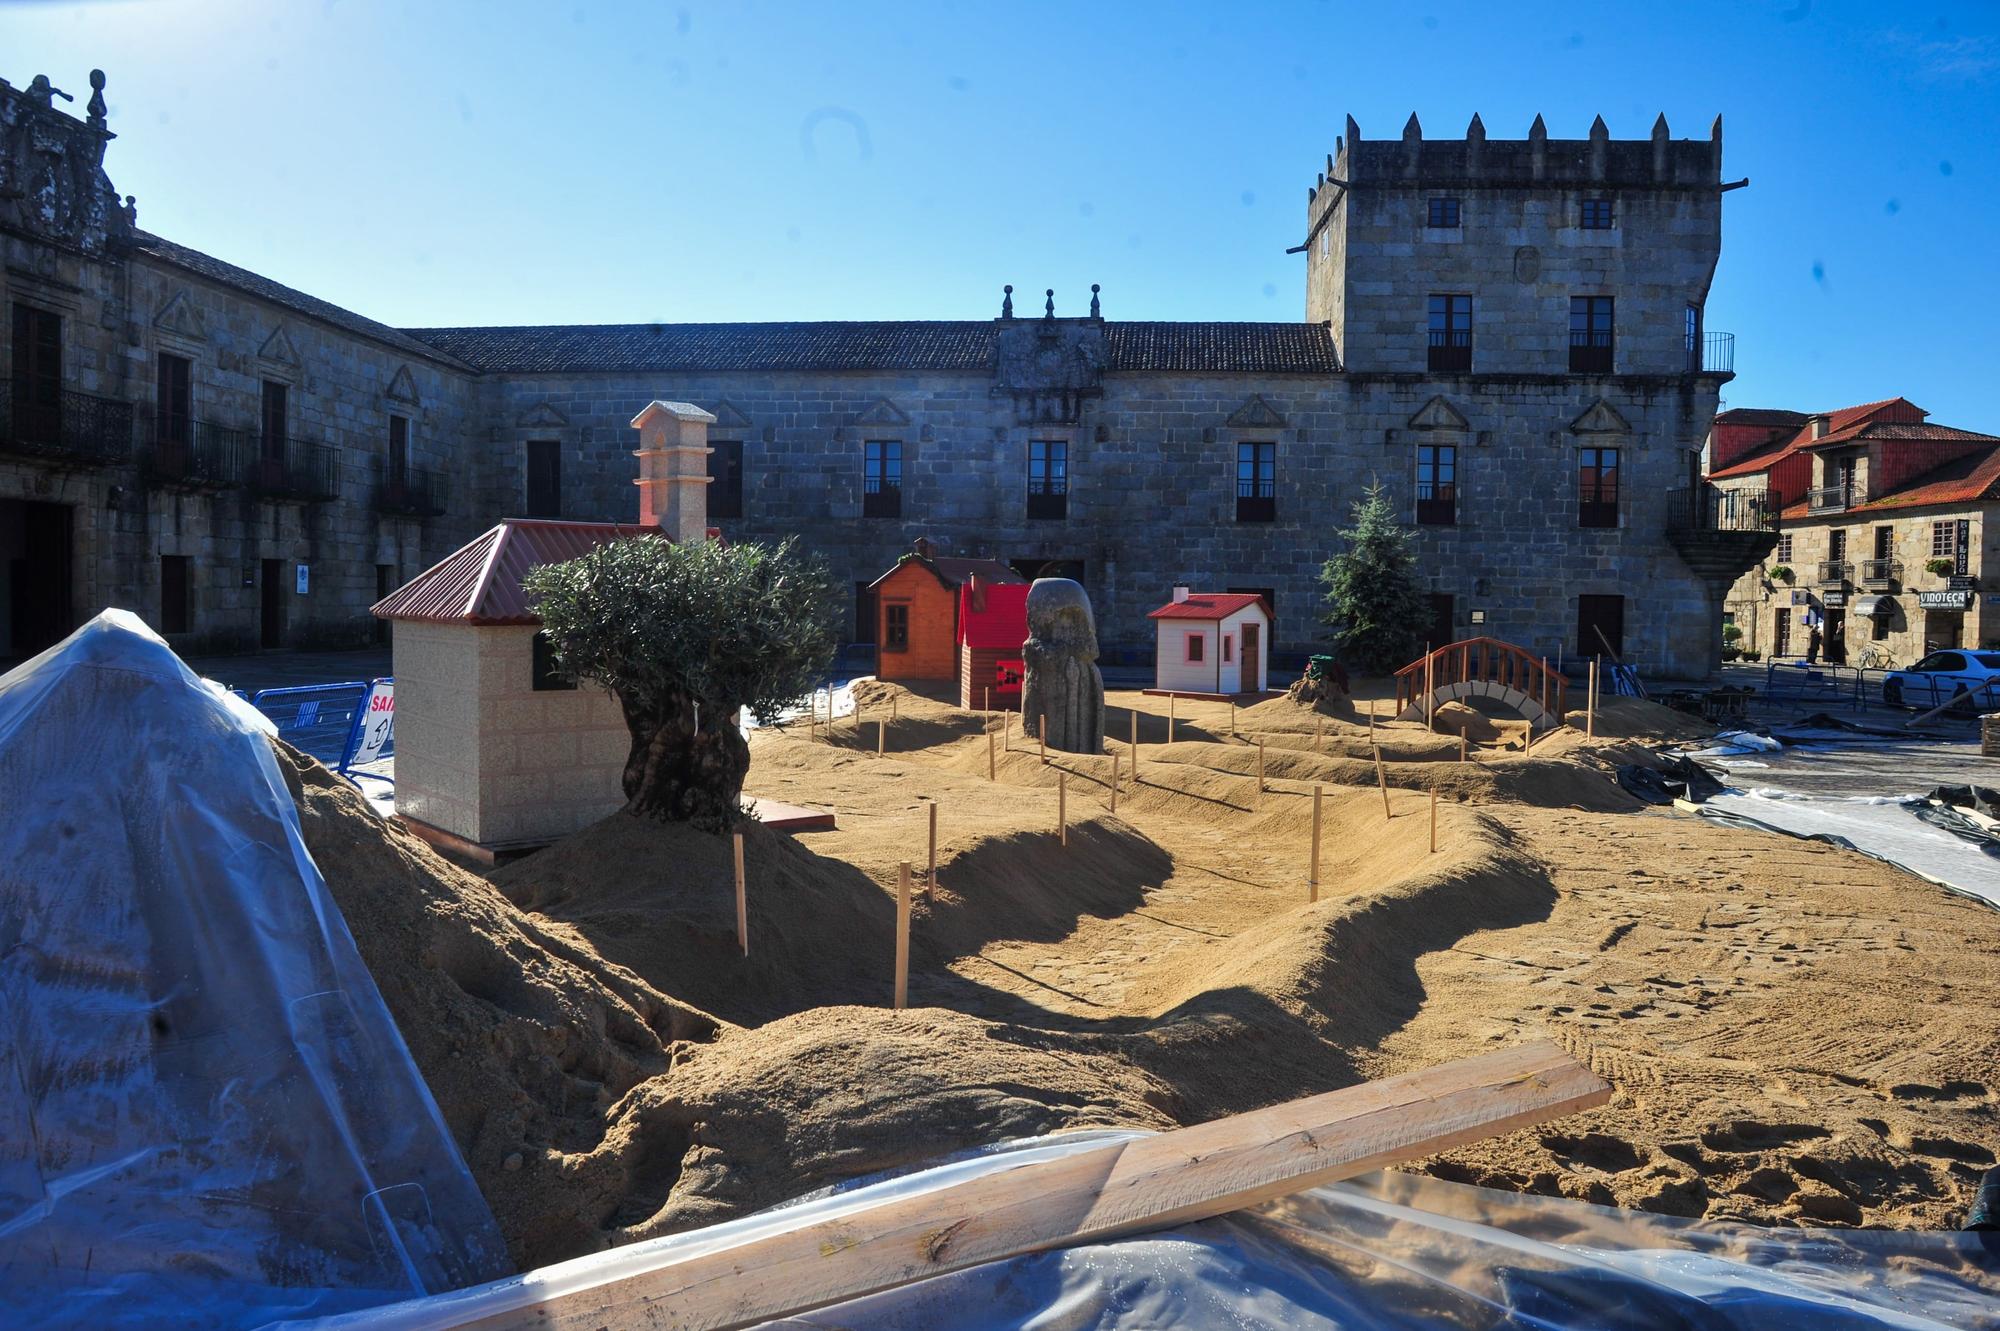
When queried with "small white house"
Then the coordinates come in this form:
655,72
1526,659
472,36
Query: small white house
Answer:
1212,642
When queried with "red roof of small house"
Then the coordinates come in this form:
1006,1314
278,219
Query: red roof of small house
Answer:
480,582
1002,623
1208,605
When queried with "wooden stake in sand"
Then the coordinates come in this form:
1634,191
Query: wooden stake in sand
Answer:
742,902
1170,718
1044,737
1371,721
881,738
992,767
1312,874
1462,745
930,873
1260,773
989,699
1232,717
1087,1196
1135,746
1434,819
1590,705
1062,806
1382,780
1114,783
903,936
1429,675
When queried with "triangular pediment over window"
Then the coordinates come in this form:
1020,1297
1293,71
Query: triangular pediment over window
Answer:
727,417
541,416
884,412
1256,414
278,347
1438,414
1600,418
180,317
403,388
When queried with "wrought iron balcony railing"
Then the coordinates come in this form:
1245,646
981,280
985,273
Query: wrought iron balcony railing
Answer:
294,469
1830,499
63,427
1590,353
1437,504
1714,354
1256,501
1835,573
1451,350
177,453
1881,572
415,492
881,499
1709,508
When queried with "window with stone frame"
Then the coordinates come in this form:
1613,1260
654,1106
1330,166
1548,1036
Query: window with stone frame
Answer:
1442,213
882,478
1783,554
1048,478
1942,545
1597,487
1450,340
1256,481
1437,485
1592,334
399,448
1596,215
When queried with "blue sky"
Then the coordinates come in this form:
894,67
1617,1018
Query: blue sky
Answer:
518,163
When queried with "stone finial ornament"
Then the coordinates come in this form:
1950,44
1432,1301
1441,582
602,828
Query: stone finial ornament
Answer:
1476,131
1007,301
1660,134
95,107
42,93
1599,131
1353,131
1061,681
1049,307
1096,312
1412,131
1539,131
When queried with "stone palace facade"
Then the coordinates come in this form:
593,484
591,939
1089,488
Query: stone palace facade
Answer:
1507,335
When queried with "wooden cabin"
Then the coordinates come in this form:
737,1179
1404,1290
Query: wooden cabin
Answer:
917,607
1212,643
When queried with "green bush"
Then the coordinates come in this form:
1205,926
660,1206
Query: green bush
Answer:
686,636
1781,572
1941,566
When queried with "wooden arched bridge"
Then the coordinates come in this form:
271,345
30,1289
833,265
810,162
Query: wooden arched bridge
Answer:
1483,668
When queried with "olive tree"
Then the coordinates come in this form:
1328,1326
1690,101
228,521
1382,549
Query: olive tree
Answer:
685,635
1374,604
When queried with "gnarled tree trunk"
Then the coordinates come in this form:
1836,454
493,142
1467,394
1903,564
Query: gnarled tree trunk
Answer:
679,772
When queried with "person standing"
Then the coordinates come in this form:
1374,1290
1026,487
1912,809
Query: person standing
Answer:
1812,645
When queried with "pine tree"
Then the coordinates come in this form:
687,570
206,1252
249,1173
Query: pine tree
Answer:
1374,603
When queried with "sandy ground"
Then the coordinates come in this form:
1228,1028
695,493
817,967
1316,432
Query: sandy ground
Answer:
1797,1034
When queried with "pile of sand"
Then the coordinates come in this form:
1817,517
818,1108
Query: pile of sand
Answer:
1784,1045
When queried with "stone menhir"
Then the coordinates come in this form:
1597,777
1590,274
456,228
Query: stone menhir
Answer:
1062,684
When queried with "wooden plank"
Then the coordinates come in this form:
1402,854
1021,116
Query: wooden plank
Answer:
742,902
1121,1188
903,935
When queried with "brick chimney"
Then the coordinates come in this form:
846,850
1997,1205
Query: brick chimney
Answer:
673,469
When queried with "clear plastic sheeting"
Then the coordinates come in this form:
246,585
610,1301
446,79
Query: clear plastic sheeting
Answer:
207,1116
1388,1251
1884,827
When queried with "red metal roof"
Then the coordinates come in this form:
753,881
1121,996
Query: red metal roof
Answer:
1964,480
480,582
1842,427
1207,605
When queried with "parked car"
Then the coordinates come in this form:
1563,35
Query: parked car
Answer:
1943,676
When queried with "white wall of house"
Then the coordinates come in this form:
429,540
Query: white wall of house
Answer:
483,754
1219,667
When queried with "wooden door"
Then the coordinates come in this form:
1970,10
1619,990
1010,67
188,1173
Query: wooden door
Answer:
1600,626
1252,658
544,498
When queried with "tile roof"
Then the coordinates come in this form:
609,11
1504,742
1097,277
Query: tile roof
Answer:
954,571
228,274
1845,426
1965,480
480,582
1760,416
903,344
1206,605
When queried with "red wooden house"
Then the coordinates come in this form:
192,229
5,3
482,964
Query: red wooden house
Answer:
992,625
921,606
